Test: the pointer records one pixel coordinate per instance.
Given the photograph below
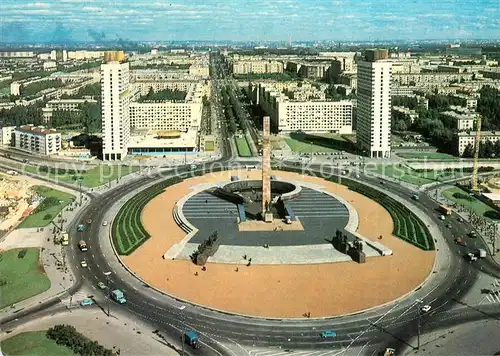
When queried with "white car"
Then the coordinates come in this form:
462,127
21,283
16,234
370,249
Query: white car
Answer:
104,223
83,263
426,308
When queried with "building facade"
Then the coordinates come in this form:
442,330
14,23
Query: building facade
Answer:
6,135
469,138
257,66
374,104
308,115
37,140
166,116
115,99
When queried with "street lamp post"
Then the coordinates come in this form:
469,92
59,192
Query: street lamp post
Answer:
80,188
107,274
419,301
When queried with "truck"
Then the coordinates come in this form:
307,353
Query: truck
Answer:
117,296
481,253
82,245
191,338
445,210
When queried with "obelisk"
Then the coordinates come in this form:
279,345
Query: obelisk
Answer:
266,171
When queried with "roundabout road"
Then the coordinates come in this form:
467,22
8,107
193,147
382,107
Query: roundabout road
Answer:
222,333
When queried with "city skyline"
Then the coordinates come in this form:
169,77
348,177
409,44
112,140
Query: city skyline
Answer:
280,20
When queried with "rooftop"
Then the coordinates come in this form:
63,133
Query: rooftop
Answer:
40,130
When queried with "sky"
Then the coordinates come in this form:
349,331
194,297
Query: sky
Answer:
248,20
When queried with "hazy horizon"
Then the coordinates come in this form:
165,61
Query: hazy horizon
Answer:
257,20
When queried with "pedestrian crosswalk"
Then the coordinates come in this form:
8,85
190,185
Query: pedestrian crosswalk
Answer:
74,300
283,352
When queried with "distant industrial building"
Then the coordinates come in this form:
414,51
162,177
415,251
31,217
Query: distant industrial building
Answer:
374,104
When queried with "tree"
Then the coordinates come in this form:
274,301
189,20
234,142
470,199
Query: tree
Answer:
468,151
400,125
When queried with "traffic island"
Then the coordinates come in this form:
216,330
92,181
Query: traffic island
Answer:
279,290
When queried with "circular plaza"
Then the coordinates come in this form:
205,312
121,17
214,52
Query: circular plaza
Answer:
300,262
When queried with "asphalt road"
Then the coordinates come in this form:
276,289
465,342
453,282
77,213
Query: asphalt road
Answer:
393,325
396,328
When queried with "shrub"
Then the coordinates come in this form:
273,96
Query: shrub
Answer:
47,217
48,202
463,196
68,336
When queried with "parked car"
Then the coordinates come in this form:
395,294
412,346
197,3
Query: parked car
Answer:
328,333
448,226
86,302
83,263
460,220
426,308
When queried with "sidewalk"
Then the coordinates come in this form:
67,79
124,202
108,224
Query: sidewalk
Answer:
462,212
52,255
116,332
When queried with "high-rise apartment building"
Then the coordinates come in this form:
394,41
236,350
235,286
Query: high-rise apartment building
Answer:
374,104
115,100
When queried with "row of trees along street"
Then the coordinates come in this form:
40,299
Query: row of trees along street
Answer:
88,118
439,130
230,111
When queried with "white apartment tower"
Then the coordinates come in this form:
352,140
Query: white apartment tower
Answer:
115,100
374,104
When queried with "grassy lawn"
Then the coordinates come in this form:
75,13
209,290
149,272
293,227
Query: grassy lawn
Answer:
427,155
303,147
34,343
242,146
276,144
309,143
45,213
21,278
408,175
127,231
209,145
474,204
93,177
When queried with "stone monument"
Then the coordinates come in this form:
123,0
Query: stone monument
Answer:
267,214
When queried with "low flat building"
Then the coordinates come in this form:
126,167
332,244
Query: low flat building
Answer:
37,140
411,114
163,142
64,105
465,120
493,198
469,138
